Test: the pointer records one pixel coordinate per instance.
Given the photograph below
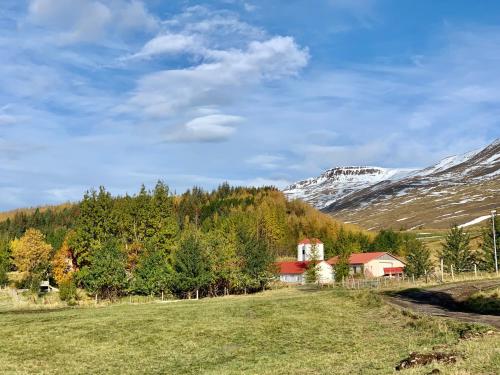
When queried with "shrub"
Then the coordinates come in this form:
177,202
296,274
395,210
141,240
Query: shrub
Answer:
67,291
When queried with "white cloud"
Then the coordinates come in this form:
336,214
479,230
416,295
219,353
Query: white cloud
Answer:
249,7
212,83
266,161
169,44
212,128
133,15
89,20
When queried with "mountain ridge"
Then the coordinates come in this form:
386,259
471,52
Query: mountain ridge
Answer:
428,197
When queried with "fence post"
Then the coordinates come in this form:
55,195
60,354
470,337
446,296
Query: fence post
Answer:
475,270
452,274
442,270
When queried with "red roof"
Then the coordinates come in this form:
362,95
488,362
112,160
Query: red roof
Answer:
358,258
307,241
393,270
296,267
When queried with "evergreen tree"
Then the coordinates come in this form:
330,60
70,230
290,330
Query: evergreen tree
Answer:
105,274
456,250
4,262
487,252
96,224
418,261
257,261
165,224
153,274
190,263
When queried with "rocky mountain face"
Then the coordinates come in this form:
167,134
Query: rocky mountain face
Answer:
460,189
337,183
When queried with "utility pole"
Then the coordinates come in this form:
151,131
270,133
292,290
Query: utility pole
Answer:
493,213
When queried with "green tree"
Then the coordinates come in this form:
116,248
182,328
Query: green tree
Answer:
342,267
257,261
387,241
4,262
222,250
191,264
418,261
456,250
312,273
153,274
105,274
96,224
487,253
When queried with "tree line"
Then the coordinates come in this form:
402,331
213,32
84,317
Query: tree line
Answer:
200,242
156,243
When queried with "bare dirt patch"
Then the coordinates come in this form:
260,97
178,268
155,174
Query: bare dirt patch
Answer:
423,359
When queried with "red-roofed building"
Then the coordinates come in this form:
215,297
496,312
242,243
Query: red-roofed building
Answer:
375,264
294,272
307,249
308,241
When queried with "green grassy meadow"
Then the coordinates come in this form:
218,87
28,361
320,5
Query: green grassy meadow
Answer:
287,331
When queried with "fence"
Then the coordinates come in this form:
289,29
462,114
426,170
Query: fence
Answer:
409,282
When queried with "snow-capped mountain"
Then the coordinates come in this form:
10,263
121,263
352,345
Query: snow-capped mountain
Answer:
458,189
337,183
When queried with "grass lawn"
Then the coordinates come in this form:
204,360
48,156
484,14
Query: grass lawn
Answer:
285,331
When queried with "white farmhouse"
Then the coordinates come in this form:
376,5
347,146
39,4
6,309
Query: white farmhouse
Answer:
375,264
294,272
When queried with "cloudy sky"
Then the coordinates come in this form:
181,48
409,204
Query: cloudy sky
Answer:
124,92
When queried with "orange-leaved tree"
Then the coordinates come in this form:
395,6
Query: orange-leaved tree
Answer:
64,263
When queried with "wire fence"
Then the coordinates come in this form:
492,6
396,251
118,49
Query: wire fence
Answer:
400,282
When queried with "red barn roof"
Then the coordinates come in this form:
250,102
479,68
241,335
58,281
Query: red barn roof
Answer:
293,268
358,258
307,241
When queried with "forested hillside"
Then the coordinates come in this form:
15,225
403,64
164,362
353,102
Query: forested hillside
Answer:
153,242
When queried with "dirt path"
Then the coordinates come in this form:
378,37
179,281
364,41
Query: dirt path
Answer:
446,300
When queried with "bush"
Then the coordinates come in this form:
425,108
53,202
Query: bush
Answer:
67,291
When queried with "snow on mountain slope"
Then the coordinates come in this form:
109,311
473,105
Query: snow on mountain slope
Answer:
457,189
336,183
446,163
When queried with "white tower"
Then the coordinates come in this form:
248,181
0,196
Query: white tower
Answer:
306,247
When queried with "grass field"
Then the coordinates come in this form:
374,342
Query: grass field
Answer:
286,331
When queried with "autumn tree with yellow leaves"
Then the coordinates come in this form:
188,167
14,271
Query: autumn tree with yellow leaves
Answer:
31,255
63,263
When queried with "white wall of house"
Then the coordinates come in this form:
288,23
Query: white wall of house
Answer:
325,273
292,278
304,251
375,267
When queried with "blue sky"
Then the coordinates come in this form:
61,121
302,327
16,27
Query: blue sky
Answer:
124,92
